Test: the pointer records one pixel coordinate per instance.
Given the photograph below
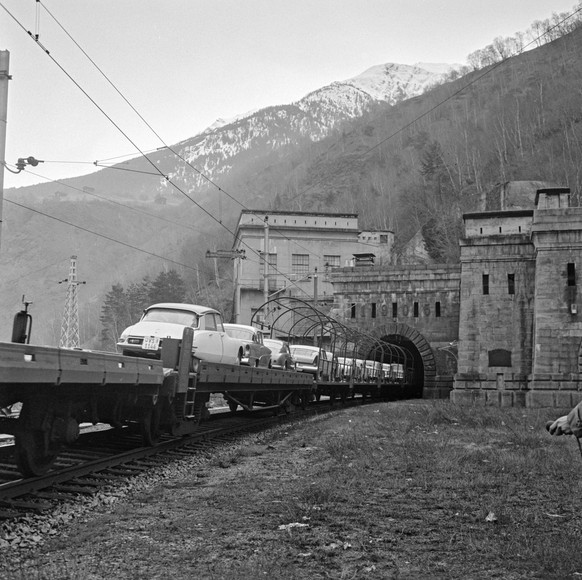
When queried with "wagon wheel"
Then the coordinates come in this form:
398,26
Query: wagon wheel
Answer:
201,412
33,449
150,425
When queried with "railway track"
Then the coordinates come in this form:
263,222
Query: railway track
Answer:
100,459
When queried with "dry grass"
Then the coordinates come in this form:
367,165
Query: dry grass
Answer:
398,490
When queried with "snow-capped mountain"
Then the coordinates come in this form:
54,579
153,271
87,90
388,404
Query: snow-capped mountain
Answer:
247,137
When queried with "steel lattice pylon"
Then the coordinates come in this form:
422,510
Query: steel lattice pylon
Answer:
70,326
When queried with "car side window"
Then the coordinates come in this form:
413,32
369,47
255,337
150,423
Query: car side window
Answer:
219,325
209,322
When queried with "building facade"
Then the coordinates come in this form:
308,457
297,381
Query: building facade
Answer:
303,249
504,327
520,331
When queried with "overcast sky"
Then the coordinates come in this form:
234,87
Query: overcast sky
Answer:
184,63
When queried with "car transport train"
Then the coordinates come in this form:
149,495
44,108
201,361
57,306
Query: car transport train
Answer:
161,381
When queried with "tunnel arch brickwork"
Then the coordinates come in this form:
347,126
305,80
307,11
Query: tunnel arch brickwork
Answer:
425,352
418,303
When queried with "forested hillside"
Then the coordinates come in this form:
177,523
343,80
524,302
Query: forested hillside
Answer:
424,162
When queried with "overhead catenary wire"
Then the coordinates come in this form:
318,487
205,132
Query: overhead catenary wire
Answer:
176,153
221,189
128,138
112,201
108,238
30,273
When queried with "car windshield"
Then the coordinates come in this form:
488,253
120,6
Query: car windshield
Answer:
183,317
273,343
241,333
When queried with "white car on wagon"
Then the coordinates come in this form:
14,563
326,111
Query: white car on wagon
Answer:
168,320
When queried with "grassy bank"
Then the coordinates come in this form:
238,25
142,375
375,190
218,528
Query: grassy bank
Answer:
394,490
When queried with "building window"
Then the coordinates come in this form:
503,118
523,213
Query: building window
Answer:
256,316
571,274
499,358
300,264
485,283
394,309
272,265
332,261
415,310
437,309
353,310
373,310
511,283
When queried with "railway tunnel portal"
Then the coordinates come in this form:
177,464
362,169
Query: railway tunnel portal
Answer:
413,307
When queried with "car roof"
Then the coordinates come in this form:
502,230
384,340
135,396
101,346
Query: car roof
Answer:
196,308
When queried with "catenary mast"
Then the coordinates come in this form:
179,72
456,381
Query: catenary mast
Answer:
70,326
4,78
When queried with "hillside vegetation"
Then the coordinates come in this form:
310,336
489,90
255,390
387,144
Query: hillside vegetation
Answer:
518,120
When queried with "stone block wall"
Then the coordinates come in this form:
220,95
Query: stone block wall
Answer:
496,316
557,235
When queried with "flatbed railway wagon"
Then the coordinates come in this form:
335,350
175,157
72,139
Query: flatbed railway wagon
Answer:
61,388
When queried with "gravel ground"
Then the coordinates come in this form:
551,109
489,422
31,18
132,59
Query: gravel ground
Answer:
371,492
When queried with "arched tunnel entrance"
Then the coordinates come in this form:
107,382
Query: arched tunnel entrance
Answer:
417,367
410,340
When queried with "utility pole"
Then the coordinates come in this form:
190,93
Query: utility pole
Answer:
266,262
237,255
4,78
70,326
315,290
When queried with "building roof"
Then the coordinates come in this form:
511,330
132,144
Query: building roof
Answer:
262,212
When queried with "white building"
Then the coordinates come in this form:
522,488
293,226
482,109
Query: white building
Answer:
303,248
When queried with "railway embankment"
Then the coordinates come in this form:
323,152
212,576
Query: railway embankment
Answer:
390,490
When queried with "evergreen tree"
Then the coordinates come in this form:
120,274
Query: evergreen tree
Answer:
115,317
138,296
168,287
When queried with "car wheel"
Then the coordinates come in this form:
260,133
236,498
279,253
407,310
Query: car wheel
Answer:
286,367
238,358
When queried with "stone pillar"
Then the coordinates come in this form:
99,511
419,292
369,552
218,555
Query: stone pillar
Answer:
557,236
496,309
